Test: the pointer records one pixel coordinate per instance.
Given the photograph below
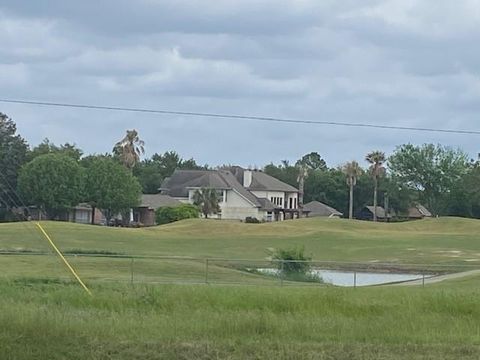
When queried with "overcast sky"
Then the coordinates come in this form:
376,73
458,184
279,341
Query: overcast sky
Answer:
400,62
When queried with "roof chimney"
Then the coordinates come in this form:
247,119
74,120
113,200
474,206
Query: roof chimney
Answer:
247,178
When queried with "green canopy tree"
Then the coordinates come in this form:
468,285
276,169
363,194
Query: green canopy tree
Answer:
151,172
431,170
110,187
52,182
207,200
313,161
47,147
13,152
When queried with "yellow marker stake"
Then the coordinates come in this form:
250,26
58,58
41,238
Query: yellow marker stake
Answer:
63,258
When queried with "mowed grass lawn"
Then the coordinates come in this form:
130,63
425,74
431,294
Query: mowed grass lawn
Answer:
431,241
45,318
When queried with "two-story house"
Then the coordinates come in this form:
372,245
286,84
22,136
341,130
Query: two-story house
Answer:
242,193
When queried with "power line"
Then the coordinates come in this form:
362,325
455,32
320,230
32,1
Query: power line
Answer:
242,117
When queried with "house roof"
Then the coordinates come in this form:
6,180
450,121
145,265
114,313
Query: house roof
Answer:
155,201
419,211
317,208
183,180
380,211
262,181
266,204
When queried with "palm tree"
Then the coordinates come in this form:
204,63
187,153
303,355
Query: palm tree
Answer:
352,170
207,200
129,149
302,174
376,159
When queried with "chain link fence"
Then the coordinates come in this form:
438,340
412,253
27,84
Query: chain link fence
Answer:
186,270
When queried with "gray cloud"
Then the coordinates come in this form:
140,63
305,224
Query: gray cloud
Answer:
399,62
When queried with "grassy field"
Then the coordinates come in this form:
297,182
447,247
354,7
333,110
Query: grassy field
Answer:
45,316
444,240
58,321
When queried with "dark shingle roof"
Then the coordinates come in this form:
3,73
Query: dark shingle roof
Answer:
266,204
262,181
183,180
317,208
380,211
156,201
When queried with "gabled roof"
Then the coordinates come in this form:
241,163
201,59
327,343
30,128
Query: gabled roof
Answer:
419,211
155,201
317,208
380,211
262,181
182,180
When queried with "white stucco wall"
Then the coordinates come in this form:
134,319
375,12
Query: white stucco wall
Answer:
292,196
237,207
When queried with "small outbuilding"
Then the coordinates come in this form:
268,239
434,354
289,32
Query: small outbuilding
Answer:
418,211
318,209
144,214
367,214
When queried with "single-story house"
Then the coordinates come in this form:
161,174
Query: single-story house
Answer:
318,209
367,214
82,213
145,213
418,211
242,193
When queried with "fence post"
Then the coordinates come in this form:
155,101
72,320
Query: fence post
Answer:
355,279
423,278
281,272
206,271
131,271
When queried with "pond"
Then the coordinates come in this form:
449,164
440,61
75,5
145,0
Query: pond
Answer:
349,278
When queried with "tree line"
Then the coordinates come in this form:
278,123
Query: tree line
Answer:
55,178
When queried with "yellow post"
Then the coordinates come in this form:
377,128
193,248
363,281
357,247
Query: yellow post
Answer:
63,258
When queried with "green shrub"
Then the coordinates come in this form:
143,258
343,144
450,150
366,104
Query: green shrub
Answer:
165,215
252,220
291,261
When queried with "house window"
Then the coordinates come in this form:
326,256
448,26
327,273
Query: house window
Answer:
295,203
220,196
291,203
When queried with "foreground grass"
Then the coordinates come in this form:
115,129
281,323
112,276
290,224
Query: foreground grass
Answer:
431,241
58,321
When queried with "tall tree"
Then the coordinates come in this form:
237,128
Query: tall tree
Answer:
129,149
151,172
207,200
52,182
110,187
431,170
307,164
302,174
313,161
47,147
376,159
352,171
13,150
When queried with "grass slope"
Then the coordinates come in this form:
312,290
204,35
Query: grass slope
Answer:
444,240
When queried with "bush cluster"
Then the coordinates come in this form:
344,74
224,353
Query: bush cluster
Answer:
168,214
